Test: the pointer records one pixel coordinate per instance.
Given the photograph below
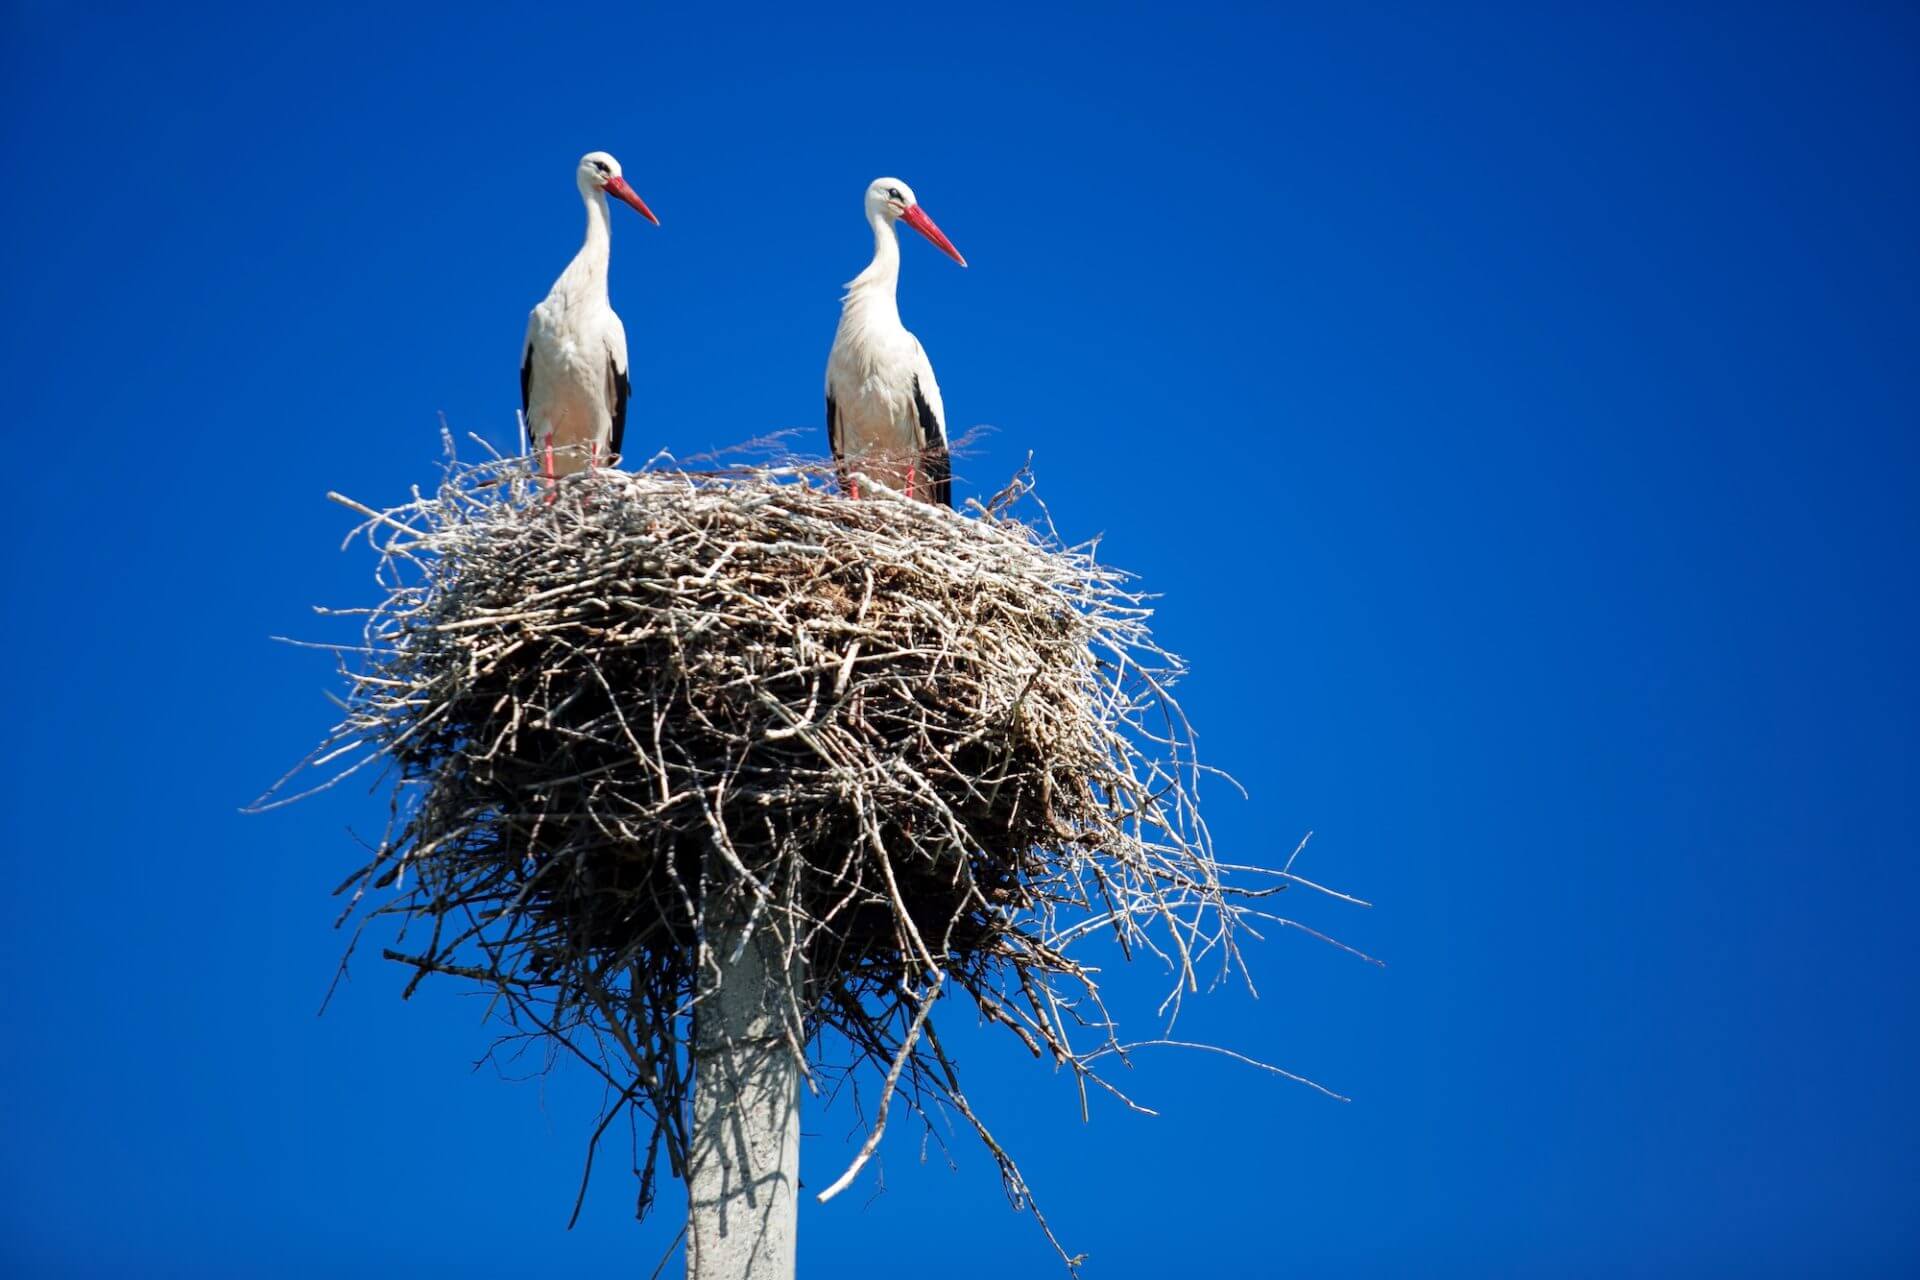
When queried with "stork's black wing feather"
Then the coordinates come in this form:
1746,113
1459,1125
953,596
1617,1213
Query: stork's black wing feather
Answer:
617,391
833,441
526,397
935,463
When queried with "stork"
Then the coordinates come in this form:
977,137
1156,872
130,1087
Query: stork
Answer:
884,414
573,369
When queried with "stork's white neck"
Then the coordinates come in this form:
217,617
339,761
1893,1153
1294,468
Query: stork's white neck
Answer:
587,273
877,287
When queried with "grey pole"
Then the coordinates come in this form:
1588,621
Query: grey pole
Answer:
743,1179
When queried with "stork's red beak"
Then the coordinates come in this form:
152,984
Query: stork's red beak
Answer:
917,219
618,187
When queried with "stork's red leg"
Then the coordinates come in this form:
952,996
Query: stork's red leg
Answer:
547,465
593,466
912,472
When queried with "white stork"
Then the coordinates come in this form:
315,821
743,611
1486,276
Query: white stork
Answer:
573,370
884,415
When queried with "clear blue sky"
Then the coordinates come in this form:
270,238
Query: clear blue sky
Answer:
1518,411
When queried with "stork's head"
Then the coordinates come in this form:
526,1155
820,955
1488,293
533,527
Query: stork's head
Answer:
892,199
601,172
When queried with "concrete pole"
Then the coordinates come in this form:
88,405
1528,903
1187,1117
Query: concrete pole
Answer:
743,1179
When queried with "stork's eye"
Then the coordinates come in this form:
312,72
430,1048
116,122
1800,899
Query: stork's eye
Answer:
893,193
601,165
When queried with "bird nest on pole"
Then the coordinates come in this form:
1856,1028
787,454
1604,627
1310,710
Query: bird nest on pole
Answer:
922,750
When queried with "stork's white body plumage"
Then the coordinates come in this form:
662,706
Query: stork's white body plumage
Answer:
885,400
885,417
573,366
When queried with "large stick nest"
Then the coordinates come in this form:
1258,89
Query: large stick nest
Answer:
924,748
